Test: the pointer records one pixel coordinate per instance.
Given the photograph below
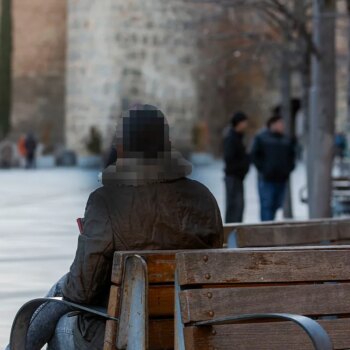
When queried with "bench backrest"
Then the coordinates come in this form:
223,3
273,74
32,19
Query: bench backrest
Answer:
221,283
161,268
289,234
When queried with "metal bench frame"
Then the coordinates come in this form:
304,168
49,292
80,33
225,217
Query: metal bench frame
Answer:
133,320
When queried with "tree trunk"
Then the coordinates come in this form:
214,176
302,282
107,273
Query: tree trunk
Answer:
287,116
305,103
305,73
323,109
5,66
348,87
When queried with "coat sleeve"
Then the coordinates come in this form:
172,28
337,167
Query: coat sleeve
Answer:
90,272
257,153
230,150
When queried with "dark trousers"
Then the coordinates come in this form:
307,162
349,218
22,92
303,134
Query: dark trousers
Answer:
30,160
271,198
234,199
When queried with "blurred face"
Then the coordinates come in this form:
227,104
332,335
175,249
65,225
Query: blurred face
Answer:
278,127
242,126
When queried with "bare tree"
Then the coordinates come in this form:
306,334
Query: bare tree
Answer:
348,100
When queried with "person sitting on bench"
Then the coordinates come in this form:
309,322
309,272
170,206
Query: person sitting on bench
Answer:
146,203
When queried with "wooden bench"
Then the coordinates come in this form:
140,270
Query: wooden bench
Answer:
214,288
328,231
141,303
160,268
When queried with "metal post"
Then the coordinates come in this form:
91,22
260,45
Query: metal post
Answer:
133,321
179,334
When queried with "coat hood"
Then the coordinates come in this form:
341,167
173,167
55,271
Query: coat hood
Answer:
137,172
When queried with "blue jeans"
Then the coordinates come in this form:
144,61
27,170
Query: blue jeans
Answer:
271,198
51,325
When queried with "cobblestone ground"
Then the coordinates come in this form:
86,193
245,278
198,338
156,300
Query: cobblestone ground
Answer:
38,232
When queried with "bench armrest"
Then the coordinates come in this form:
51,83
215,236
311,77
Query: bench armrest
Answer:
314,330
24,315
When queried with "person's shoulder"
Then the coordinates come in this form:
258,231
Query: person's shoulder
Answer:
261,134
229,135
100,193
194,187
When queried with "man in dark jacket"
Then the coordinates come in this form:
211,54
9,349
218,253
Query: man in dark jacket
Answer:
273,154
236,167
146,202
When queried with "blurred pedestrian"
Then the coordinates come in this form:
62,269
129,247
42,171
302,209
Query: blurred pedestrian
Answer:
21,149
273,154
341,145
30,146
236,167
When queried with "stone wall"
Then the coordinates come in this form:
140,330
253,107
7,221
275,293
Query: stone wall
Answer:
125,52
39,35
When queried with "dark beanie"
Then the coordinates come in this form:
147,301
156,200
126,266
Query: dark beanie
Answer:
237,118
145,132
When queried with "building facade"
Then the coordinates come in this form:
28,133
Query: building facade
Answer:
83,62
39,46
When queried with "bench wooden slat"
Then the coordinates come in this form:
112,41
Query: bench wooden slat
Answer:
313,299
290,235
161,301
161,336
247,266
286,233
264,336
293,234
161,266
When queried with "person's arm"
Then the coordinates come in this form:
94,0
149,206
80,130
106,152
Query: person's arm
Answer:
257,153
230,150
90,272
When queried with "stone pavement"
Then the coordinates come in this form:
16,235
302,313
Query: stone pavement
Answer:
38,231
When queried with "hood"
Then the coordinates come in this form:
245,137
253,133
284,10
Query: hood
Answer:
138,172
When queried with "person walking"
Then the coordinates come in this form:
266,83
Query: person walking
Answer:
236,167
30,146
273,154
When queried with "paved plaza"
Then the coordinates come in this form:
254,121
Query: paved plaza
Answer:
38,231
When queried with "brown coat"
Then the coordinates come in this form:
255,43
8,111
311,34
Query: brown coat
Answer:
174,214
